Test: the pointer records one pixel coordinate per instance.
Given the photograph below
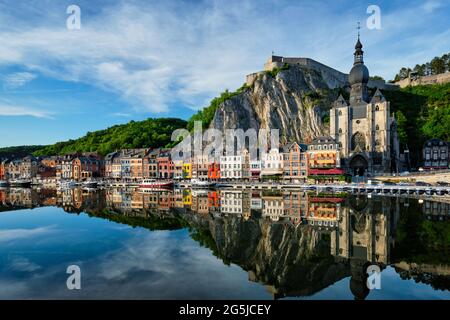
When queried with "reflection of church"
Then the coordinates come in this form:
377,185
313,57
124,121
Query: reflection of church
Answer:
363,238
363,127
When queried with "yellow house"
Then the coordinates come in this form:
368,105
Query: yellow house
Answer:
187,170
187,197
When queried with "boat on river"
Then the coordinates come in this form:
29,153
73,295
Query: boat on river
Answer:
152,183
21,183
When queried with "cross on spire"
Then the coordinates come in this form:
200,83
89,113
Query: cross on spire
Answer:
358,28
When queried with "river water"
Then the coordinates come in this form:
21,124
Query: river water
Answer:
210,244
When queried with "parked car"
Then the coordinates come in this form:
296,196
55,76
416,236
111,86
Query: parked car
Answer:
443,183
404,173
420,169
422,184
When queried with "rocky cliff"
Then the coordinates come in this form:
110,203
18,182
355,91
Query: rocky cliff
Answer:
296,100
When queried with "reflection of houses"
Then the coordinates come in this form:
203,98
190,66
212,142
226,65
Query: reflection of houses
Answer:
436,210
324,212
231,202
214,201
178,198
187,198
273,206
165,200
256,203
295,206
200,202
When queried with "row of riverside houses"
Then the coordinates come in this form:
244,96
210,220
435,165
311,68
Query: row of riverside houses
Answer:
74,166
293,162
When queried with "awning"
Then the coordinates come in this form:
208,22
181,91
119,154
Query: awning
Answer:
316,172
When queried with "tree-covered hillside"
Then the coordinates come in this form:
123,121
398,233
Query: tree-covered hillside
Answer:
150,133
18,152
422,112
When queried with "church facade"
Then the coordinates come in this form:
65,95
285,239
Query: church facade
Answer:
363,127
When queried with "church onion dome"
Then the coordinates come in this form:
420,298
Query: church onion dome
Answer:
358,74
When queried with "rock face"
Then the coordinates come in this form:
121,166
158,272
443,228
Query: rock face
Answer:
294,101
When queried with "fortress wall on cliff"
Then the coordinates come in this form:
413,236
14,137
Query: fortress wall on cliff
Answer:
433,79
332,77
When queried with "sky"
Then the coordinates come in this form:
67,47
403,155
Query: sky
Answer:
134,59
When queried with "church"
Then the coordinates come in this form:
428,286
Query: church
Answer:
363,127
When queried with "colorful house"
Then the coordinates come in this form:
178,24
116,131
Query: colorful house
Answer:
295,164
214,171
187,170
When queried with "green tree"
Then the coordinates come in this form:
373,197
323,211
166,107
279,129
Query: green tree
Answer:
401,126
437,65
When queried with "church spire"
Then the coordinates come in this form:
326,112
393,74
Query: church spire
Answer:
358,49
359,75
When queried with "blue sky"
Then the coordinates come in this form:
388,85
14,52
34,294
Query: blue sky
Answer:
136,59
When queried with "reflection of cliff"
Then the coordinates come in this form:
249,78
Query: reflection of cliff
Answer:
437,276
289,260
295,243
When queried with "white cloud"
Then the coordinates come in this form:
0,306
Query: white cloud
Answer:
16,234
163,53
17,111
23,264
18,79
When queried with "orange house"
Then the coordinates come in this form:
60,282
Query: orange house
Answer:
214,171
2,170
84,168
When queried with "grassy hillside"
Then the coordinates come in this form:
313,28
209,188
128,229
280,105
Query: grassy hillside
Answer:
150,133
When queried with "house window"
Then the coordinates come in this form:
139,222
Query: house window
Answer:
377,108
340,130
377,127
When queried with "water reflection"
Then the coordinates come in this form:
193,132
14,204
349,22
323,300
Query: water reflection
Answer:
294,243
